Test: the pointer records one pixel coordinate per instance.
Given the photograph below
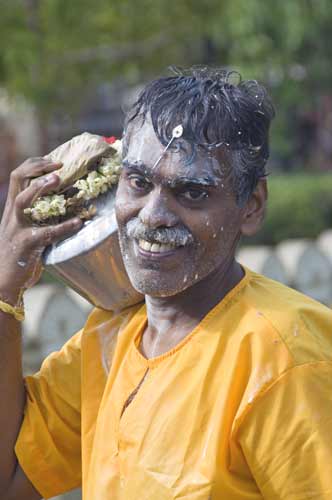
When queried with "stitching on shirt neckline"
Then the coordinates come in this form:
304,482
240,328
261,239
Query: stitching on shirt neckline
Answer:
152,362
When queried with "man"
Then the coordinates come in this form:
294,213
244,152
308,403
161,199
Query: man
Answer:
220,386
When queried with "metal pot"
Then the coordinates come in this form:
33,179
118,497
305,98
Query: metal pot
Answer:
91,263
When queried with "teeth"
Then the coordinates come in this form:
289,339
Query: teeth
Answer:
165,248
145,245
154,247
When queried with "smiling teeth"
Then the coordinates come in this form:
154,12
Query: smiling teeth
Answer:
154,247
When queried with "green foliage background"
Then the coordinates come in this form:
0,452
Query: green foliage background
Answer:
53,50
300,206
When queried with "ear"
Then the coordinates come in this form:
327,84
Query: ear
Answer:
254,211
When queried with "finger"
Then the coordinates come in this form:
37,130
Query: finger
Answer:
50,234
15,189
34,167
36,189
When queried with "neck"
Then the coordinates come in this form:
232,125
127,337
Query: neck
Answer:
188,308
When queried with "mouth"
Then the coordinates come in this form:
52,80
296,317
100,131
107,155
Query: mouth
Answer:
148,248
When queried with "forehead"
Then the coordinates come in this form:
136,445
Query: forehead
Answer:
144,148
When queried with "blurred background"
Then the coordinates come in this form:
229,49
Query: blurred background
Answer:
71,66
67,67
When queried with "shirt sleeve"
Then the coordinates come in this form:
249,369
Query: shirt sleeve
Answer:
286,435
48,447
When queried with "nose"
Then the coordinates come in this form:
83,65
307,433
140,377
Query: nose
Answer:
157,212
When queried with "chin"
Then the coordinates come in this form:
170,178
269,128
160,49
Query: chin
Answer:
154,286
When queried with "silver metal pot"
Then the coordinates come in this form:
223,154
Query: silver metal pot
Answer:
90,261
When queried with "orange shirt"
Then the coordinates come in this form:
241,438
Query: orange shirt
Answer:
240,409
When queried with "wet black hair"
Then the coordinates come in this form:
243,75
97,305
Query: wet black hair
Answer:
217,109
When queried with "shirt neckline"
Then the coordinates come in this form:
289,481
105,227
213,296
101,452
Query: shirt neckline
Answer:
152,362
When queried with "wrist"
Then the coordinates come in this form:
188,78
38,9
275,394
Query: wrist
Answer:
17,311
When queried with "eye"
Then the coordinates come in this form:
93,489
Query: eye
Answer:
195,194
139,182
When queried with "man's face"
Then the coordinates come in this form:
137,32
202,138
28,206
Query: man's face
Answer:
178,223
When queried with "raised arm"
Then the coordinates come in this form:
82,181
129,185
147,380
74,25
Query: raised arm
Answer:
21,247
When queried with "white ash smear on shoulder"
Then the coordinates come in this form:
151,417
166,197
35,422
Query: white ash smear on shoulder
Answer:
90,187
261,380
107,333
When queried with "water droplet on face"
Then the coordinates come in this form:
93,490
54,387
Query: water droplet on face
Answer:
21,263
222,228
196,276
239,132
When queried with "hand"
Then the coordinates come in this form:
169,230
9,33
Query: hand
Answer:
21,244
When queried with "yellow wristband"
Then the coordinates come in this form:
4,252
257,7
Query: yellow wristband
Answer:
17,312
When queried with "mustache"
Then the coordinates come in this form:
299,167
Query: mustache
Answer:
177,236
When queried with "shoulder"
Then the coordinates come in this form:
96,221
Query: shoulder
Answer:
104,329
100,325
100,319
303,324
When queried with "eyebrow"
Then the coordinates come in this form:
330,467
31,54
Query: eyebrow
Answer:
206,181
136,165
181,181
